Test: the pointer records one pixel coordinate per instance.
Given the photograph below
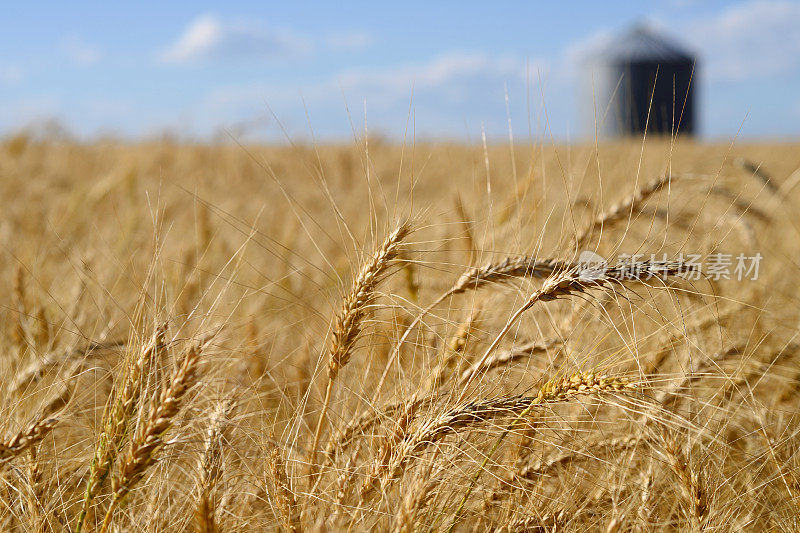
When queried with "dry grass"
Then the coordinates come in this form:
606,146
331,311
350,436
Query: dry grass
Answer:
468,375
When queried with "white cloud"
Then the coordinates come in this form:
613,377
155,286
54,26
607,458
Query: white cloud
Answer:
755,41
450,94
28,110
756,38
81,52
211,39
11,74
750,39
457,76
350,41
579,50
753,38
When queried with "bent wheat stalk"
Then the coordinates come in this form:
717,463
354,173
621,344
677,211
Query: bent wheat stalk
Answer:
350,320
473,279
552,391
475,413
362,423
578,280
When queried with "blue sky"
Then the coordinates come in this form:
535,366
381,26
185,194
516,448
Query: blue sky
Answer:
207,70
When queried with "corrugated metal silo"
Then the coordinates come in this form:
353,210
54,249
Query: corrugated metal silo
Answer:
641,79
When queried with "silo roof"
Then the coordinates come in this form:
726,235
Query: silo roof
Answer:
643,43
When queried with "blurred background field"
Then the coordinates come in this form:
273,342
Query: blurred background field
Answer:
103,242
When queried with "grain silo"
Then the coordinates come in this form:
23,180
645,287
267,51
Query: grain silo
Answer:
641,79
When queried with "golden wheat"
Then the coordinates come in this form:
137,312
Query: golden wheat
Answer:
498,384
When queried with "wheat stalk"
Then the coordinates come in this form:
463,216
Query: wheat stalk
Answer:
538,468
506,358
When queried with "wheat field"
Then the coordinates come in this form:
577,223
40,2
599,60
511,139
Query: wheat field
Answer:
387,337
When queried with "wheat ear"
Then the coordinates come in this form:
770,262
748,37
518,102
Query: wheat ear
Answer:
756,171
149,438
37,370
453,354
387,449
624,209
556,390
284,495
548,522
417,498
692,485
578,280
350,321
118,412
210,468
26,438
